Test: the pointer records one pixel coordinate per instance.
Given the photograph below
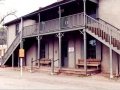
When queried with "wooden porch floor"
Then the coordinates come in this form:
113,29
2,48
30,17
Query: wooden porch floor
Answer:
79,71
73,71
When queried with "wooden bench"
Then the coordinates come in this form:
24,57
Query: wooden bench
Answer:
44,61
90,62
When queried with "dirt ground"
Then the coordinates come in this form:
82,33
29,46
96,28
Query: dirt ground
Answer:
11,79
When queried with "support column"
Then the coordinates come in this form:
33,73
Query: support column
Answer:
21,45
74,51
59,17
59,35
21,41
85,58
39,21
117,65
38,56
52,60
111,60
59,50
85,64
13,60
111,64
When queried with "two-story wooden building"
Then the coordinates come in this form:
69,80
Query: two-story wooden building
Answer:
67,30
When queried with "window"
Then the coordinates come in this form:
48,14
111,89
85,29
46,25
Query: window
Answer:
91,48
64,22
42,27
17,29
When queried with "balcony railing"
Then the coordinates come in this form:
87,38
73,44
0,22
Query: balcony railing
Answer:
67,22
30,30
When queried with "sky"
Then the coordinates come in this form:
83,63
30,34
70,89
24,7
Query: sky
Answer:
21,7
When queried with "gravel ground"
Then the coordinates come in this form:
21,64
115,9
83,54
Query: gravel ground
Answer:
11,79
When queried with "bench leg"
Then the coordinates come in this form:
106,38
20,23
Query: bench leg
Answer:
97,67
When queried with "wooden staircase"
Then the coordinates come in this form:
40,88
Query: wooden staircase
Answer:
103,33
11,48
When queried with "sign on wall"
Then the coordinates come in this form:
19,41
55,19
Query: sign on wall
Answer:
71,49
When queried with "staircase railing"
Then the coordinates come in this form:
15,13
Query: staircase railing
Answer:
108,24
11,48
107,33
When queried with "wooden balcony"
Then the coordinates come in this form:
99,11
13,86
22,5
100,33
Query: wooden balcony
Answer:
63,24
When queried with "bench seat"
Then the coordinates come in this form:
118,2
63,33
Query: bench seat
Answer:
45,61
90,62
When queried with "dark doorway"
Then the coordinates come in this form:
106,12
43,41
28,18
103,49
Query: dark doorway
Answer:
64,53
42,50
91,47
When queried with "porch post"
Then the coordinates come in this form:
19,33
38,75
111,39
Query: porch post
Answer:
59,35
13,60
21,44
117,65
85,64
111,61
39,22
59,17
111,64
21,41
38,56
74,51
52,60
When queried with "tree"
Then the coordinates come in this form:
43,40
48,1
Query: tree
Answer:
3,29
9,13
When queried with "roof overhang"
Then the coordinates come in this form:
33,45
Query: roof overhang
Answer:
56,4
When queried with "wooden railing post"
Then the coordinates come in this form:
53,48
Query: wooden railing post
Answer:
52,66
31,65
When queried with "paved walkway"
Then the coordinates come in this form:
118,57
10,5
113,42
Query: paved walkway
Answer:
12,80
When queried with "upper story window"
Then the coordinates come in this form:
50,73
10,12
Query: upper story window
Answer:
64,22
17,29
42,27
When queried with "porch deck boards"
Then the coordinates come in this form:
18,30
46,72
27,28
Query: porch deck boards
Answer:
74,71
79,71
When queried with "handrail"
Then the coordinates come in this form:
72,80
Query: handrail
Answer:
13,41
108,23
98,22
39,59
30,25
56,60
